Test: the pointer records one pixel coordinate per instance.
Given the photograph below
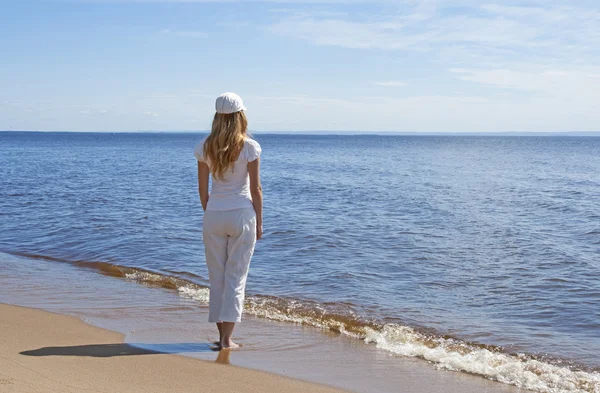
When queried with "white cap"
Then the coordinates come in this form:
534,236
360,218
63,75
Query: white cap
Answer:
229,103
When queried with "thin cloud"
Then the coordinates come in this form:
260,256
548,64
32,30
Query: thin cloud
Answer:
545,31
391,83
572,84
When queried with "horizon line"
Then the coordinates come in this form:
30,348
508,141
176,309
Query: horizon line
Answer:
325,132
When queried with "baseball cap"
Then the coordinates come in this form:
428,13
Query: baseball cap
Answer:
229,103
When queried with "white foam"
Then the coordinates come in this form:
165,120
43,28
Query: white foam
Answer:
144,277
448,354
199,294
521,371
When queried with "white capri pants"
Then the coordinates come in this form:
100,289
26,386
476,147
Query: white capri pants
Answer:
229,240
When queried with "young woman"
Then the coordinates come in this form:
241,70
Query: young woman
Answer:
232,210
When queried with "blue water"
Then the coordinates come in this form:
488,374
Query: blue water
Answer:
490,240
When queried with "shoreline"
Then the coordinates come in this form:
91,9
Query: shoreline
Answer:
44,351
161,320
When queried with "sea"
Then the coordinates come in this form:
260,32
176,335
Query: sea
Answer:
475,254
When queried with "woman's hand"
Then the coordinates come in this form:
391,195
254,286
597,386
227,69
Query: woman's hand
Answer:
256,193
203,174
259,230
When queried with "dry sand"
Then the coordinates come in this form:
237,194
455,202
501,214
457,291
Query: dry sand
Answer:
46,352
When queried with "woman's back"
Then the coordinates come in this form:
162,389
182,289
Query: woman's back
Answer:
233,190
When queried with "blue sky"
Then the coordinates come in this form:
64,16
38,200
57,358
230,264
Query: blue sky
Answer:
435,65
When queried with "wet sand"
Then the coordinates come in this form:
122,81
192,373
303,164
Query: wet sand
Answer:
46,352
155,320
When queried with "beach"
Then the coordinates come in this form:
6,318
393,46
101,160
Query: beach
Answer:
46,352
73,314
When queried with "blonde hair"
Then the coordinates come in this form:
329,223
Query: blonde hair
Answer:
225,142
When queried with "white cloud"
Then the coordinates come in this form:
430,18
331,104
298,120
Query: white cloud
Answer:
547,30
347,34
542,99
571,84
538,110
391,83
513,67
533,68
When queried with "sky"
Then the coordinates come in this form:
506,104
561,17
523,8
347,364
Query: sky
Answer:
331,65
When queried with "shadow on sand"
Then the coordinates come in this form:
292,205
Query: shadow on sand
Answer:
110,350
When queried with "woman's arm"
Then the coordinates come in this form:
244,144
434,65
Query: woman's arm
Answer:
203,173
256,192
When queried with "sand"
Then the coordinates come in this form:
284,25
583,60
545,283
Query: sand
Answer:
45,352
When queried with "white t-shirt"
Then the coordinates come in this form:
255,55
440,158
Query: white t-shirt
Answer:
233,191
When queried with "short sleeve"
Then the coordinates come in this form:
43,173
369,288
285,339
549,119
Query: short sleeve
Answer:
199,152
253,150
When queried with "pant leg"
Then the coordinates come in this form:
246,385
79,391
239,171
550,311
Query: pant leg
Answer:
240,247
215,248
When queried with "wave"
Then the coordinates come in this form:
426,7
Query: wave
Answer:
524,371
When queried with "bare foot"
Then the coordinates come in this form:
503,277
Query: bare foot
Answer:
230,345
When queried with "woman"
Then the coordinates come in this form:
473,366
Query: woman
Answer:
232,211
